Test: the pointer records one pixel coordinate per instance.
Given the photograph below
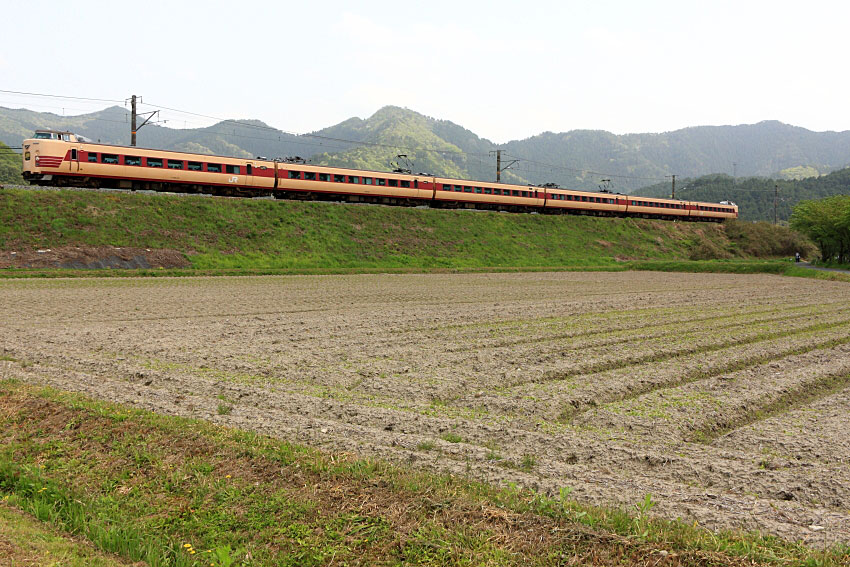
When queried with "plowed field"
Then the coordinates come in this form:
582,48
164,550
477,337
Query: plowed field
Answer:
724,397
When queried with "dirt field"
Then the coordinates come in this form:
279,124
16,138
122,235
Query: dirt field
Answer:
724,397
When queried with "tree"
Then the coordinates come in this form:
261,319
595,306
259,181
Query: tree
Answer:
827,223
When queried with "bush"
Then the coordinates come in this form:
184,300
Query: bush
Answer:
764,240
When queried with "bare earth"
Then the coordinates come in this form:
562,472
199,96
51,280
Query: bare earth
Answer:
724,397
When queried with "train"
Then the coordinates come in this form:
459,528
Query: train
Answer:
62,158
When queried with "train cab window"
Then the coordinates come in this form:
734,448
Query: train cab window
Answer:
194,166
367,181
154,162
232,169
353,179
297,175
478,189
132,160
324,177
93,157
405,183
309,176
109,158
392,182
488,191
66,137
175,164
380,182
467,189
214,167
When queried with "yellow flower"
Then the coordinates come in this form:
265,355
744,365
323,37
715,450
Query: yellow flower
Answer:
227,476
192,551
187,545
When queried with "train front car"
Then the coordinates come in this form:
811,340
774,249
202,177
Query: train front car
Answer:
47,156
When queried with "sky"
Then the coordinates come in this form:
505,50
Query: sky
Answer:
505,70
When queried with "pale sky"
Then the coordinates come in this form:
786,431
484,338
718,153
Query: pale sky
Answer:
505,70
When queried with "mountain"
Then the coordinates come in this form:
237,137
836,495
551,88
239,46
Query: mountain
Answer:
755,196
579,159
238,138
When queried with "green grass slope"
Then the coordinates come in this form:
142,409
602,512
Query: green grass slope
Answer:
10,165
220,233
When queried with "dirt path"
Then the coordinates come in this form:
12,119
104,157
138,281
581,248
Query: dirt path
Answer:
722,396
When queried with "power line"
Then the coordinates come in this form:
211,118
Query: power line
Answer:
60,96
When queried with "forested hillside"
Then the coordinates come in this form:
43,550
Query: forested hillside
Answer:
579,159
755,195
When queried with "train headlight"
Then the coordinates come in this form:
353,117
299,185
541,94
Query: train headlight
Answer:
36,160
27,156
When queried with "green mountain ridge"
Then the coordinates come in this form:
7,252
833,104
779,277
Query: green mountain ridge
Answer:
579,159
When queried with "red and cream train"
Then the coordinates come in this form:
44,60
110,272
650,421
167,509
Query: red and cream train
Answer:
63,159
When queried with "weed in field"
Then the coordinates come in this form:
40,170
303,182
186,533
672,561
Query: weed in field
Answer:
451,437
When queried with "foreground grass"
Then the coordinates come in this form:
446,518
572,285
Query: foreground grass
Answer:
172,491
777,267
26,541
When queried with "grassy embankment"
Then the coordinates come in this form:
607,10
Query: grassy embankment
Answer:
259,236
172,491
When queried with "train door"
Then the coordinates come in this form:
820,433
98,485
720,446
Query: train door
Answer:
249,174
74,161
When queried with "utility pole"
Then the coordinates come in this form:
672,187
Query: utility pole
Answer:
133,120
499,168
673,189
775,199
134,115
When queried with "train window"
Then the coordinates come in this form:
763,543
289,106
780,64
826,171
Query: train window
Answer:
339,178
108,158
175,164
248,168
66,137
380,182
487,191
232,169
214,167
367,181
295,175
392,182
154,162
324,177
132,160
497,191
353,179
74,155
458,188
478,189
467,189
405,184
194,166
309,176
92,157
